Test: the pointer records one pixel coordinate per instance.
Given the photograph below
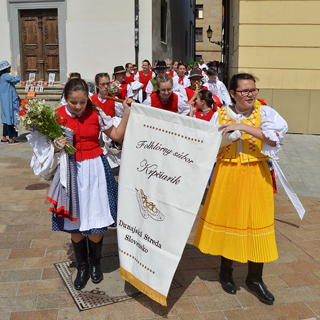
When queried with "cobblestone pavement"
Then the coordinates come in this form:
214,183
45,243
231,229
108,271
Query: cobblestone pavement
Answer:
30,287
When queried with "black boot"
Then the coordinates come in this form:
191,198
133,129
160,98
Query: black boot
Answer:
94,260
255,283
81,253
225,275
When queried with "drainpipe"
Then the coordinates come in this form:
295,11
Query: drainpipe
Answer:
136,31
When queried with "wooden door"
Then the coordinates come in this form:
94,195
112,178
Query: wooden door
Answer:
39,43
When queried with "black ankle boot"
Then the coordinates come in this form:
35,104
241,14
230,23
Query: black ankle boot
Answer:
226,278
81,253
94,260
255,283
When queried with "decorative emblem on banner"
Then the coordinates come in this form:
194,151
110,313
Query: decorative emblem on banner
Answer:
148,209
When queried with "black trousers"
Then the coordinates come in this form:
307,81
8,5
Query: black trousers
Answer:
9,130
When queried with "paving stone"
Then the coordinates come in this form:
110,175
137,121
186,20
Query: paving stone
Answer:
8,289
296,294
26,253
203,316
54,301
11,264
15,244
17,304
72,313
50,273
300,279
44,262
304,266
21,275
20,227
257,313
35,315
38,287
314,306
291,311
4,254
217,302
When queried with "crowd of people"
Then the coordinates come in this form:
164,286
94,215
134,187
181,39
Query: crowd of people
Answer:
237,221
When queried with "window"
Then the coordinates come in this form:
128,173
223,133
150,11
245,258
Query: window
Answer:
164,21
198,35
199,11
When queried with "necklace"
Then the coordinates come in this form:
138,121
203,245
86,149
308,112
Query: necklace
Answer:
244,113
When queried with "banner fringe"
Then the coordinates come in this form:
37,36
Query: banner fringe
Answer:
144,288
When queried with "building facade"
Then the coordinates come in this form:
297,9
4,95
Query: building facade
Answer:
278,42
89,37
208,13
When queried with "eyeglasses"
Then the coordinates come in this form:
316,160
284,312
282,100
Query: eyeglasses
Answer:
104,84
245,93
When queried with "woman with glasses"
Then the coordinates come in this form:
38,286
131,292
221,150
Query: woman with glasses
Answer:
164,98
237,221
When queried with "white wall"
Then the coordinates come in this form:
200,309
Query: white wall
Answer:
145,31
100,35
5,50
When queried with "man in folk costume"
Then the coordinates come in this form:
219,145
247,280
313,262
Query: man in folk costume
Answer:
164,98
181,81
123,89
144,76
195,80
217,87
160,70
129,73
170,71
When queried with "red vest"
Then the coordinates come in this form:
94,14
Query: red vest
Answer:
130,79
171,105
122,94
86,130
217,104
206,117
107,107
144,79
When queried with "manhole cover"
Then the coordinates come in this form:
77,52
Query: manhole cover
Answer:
37,186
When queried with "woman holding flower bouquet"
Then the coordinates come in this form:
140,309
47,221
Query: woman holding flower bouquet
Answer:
84,196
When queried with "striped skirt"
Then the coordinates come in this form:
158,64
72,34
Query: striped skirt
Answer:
237,219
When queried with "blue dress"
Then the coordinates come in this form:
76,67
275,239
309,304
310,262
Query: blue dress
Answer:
9,98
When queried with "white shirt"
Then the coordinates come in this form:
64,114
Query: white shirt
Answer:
177,87
219,89
183,108
201,66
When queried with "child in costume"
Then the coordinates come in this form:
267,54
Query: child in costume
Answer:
83,193
237,221
202,105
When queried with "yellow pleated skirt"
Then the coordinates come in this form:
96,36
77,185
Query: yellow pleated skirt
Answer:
237,219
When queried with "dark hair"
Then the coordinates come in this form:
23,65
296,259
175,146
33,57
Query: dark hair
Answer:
145,60
211,72
5,71
182,64
75,75
77,85
207,96
174,61
127,64
235,79
99,76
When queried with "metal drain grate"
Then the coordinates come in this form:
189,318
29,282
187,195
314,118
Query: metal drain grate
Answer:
96,295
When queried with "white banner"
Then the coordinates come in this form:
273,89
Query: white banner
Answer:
166,162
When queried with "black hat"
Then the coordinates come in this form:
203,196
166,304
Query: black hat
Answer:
195,74
160,65
118,69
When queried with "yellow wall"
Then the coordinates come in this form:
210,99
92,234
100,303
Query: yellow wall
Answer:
212,10
279,42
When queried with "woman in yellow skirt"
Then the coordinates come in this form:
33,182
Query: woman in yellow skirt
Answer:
237,220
